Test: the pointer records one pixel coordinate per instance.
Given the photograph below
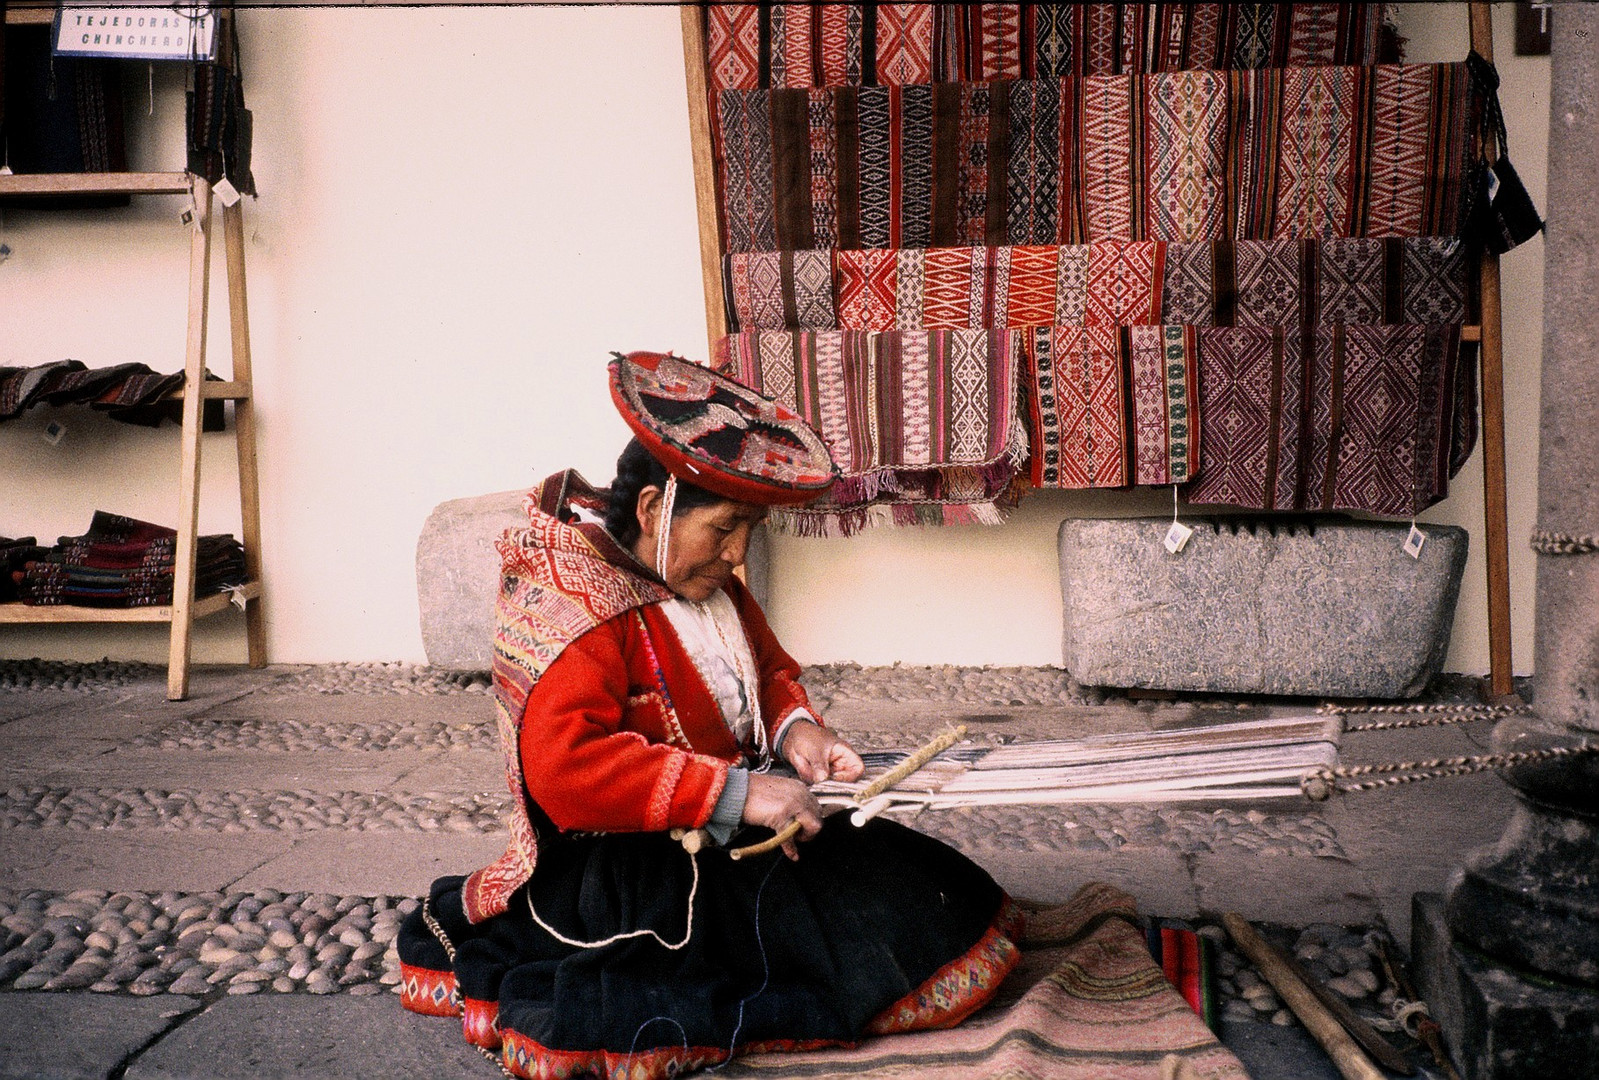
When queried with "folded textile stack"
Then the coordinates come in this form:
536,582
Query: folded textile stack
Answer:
122,562
14,555
131,393
924,425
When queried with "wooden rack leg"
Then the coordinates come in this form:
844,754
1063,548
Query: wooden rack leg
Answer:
699,114
189,473
1495,525
244,428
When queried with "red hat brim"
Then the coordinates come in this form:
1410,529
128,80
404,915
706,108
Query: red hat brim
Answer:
718,434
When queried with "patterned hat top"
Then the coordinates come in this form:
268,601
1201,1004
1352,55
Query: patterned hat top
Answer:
717,434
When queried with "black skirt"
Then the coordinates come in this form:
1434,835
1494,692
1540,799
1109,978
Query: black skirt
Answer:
649,962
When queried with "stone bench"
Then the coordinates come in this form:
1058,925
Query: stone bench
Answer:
1326,609
458,576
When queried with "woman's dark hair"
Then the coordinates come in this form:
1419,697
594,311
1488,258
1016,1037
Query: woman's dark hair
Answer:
635,471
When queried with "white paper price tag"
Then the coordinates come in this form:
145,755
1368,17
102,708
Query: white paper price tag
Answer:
226,192
1414,542
54,432
1177,537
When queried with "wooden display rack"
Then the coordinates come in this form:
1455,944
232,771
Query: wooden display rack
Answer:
1499,684
196,390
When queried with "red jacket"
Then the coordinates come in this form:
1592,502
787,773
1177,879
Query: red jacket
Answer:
621,733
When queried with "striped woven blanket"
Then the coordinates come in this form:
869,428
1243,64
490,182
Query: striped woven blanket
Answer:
1180,156
924,425
803,45
1094,1006
1120,282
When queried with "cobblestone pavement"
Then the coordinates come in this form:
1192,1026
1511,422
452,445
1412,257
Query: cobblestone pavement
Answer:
262,769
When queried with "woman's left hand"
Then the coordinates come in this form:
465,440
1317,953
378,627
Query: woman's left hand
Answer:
817,754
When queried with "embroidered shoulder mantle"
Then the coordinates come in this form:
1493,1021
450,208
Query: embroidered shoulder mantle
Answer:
560,577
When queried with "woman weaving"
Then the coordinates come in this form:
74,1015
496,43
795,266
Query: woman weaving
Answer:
640,694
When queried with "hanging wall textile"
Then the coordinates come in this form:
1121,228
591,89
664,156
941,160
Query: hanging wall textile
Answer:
1368,418
1111,406
924,424
798,46
1290,153
1225,283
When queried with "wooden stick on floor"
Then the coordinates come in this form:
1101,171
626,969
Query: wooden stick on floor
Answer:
1346,1055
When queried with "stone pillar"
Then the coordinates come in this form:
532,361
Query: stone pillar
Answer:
1566,656
1509,961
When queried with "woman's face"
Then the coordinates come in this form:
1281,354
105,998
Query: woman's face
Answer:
707,543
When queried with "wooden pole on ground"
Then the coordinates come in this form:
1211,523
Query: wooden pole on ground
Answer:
1346,1054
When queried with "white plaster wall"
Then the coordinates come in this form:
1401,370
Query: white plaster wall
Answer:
463,210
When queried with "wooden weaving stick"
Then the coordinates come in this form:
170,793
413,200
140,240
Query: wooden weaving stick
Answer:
893,776
1346,1054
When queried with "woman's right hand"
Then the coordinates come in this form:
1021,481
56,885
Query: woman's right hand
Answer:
774,801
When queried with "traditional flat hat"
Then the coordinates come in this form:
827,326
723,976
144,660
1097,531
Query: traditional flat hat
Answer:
718,434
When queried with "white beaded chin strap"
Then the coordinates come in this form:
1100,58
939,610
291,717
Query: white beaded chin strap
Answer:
663,525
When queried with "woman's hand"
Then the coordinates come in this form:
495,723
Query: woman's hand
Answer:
774,801
817,754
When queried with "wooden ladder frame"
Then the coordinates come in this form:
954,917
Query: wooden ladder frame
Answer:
1500,683
196,390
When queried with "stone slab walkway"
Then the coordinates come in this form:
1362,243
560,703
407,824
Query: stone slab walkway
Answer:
209,888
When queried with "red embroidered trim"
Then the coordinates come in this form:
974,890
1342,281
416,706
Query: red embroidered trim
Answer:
956,990
527,1059
674,726
659,813
480,1023
429,992
487,892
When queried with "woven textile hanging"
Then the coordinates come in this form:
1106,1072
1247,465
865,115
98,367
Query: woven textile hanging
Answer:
1183,156
1225,283
796,46
923,425
1370,418
1110,406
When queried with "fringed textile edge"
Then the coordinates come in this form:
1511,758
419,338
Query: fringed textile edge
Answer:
834,523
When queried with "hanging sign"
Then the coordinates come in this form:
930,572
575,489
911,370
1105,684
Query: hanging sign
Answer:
138,30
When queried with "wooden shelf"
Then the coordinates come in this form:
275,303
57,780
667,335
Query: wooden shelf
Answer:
194,393
31,15
102,183
17,614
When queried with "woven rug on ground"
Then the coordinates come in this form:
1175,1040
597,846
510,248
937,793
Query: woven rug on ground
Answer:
1280,153
804,45
1111,406
924,425
1412,279
1369,418
1093,1007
